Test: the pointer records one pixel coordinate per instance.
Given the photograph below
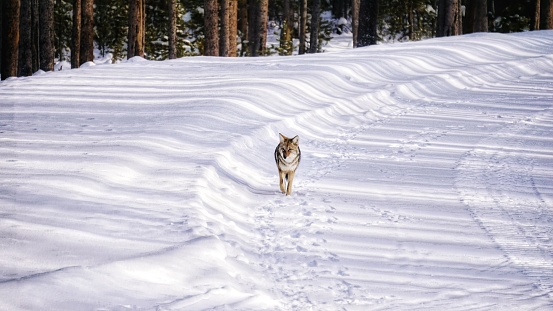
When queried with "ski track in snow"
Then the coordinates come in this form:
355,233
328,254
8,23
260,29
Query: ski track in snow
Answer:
425,182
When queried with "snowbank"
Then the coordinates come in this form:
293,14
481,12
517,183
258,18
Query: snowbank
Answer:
425,182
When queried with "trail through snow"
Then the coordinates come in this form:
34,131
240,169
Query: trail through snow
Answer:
426,181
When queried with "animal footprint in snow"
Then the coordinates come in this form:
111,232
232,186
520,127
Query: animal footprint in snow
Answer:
301,249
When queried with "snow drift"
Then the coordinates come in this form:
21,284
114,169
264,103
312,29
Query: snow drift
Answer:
426,181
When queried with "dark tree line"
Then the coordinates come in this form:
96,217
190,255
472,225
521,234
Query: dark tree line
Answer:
36,32
28,35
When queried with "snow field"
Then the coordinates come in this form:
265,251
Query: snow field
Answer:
425,181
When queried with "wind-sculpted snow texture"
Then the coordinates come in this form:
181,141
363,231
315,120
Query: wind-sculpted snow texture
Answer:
426,181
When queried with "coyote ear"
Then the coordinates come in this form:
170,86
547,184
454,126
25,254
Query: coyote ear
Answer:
296,139
282,137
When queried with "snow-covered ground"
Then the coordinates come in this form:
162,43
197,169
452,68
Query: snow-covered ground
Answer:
426,181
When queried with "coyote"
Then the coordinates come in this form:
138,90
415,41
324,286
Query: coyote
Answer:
287,157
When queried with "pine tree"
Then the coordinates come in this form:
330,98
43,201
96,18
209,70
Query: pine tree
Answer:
137,20
303,27
258,11
368,23
470,15
76,35
63,33
10,38
449,18
263,22
314,35
228,29
233,27
253,29
157,30
535,15
211,24
172,12
476,16
546,14
287,29
35,34
407,20
224,29
355,21
111,20
25,40
46,34
86,53
481,16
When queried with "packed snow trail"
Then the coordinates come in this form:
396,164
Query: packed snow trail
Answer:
425,182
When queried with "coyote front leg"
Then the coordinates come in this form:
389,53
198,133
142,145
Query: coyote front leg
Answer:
290,180
282,176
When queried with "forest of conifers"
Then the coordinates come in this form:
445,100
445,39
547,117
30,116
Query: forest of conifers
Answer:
37,33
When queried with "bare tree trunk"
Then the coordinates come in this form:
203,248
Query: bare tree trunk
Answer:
137,20
233,27
172,11
303,26
76,35
86,53
314,35
25,40
211,23
449,18
481,16
411,20
35,34
263,23
368,23
1,35
225,30
10,37
535,18
546,14
355,21
257,26
58,33
46,35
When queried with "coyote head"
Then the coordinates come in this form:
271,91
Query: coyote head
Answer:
288,146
